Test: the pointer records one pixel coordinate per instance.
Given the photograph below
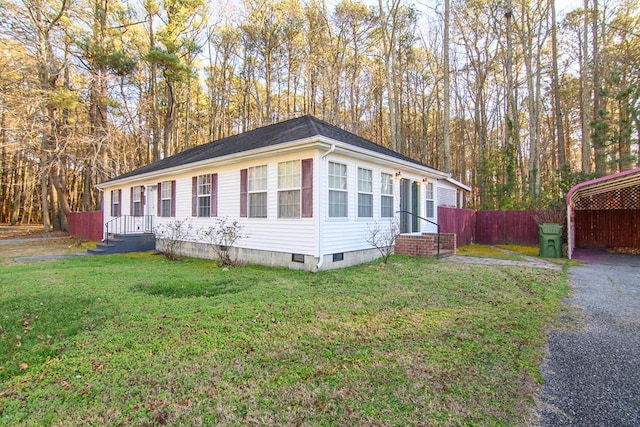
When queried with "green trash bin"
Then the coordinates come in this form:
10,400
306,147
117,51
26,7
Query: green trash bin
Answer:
550,240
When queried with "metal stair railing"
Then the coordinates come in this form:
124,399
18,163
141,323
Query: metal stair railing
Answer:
128,224
429,221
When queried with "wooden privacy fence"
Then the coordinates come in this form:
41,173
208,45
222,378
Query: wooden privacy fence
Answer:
86,225
492,227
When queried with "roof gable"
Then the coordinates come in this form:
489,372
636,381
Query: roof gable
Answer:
267,136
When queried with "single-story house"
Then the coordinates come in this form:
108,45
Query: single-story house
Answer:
306,194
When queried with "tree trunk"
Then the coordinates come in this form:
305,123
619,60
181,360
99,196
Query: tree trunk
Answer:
598,115
511,137
557,108
389,71
584,89
446,166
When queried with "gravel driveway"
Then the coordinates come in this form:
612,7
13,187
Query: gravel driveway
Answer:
592,372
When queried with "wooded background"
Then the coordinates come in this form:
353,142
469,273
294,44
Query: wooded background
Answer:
510,97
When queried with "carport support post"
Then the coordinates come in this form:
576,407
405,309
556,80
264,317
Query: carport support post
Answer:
570,230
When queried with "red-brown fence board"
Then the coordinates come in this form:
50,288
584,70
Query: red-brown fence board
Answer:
607,228
462,222
490,227
86,225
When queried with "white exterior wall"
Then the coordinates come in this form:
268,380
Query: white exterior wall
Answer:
351,233
447,196
269,234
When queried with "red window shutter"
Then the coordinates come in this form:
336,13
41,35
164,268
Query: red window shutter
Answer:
243,193
112,212
131,203
173,197
159,205
214,194
307,188
194,196
119,202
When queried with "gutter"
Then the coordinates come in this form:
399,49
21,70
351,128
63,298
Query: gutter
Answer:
320,167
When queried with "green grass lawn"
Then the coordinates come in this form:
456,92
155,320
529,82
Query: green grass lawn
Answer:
140,340
487,251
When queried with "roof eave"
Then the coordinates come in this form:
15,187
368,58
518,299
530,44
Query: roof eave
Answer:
618,180
297,145
316,141
458,184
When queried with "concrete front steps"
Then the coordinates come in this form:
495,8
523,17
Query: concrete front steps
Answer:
426,245
123,243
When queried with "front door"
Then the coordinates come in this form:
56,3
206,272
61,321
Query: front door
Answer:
150,207
409,206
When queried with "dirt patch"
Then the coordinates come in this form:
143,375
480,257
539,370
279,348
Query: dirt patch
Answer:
28,247
26,241
28,231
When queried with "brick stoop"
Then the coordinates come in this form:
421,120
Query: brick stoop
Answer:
426,244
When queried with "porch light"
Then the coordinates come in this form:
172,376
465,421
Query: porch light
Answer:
425,180
399,175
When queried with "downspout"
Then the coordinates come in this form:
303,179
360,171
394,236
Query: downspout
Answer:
320,220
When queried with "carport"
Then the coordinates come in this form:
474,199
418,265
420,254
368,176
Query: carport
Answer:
605,212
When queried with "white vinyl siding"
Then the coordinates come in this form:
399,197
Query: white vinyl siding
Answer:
338,194
447,197
257,191
289,176
365,193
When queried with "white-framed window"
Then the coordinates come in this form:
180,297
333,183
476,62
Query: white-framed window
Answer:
204,195
136,201
115,203
386,195
338,195
165,198
289,174
257,178
430,206
365,193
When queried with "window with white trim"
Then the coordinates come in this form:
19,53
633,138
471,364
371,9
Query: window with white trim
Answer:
165,198
338,196
136,201
365,193
204,195
430,211
386,195
115,203
257,178
289,174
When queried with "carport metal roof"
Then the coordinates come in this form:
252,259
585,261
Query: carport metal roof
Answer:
617,191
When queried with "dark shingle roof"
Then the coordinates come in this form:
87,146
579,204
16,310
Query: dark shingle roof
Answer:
279,133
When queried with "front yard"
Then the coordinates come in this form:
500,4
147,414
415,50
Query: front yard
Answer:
139,340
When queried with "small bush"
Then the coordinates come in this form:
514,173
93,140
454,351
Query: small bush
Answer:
222,236
174,235
383,238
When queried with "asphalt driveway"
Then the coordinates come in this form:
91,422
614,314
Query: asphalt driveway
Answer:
592,372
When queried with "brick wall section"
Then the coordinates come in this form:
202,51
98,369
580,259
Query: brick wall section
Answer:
425,244
448,241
